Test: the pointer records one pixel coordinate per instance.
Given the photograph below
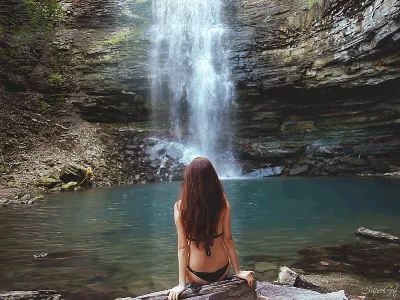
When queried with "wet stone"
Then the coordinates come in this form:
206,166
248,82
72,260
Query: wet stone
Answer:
174,152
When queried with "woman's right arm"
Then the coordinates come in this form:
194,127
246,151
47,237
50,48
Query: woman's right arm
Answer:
230,247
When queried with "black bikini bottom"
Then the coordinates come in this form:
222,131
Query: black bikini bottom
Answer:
210,277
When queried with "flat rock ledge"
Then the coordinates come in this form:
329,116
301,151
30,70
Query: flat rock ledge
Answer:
377,235
30,295
237,289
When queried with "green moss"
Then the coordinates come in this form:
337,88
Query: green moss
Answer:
131,38
108,59
43,105
44,14
37,198
15,185
311,3
55,80
117,39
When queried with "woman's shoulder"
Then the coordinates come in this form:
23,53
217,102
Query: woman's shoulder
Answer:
227,205
177,207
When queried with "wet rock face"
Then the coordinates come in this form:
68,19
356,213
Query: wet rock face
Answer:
316,81
314,43
107,45
333,130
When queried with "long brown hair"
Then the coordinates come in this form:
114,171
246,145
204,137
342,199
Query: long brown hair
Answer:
202,202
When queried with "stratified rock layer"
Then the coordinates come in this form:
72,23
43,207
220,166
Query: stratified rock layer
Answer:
317,84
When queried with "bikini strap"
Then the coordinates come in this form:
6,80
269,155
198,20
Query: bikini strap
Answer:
217,236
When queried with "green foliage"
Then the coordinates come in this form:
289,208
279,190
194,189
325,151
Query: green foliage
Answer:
55,80
44,14
311,3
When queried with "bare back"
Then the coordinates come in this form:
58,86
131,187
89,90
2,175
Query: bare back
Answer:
198,259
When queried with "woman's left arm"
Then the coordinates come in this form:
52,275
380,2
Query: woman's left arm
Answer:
183,256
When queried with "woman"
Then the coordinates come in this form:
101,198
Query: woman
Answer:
202,219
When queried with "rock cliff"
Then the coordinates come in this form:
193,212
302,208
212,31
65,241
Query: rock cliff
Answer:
317,80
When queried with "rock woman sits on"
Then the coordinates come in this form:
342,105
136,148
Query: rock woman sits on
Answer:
202,218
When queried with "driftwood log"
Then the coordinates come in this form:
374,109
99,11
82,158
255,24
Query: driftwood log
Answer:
377,235
237,289
234,289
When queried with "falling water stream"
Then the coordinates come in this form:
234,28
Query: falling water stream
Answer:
191,79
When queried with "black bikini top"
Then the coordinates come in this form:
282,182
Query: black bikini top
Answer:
208,250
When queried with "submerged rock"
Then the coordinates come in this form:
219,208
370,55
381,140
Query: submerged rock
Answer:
262,267
371,258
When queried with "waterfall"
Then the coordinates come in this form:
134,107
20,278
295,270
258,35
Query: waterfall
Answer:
192,91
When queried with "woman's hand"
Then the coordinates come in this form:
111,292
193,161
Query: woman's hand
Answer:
248,276
174,293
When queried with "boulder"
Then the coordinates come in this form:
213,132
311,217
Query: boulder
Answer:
73,172
287,276
175,152
160,148
299,170
29,295
377,235
234,289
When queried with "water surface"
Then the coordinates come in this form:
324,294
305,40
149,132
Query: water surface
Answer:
122,241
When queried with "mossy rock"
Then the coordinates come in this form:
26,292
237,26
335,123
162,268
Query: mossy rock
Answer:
49,182
70,186
73,172
37,198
